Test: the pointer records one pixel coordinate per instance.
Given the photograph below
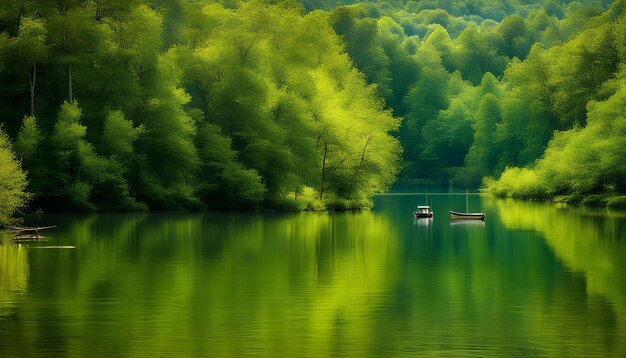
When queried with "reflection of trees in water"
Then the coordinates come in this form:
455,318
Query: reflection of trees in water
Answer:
241,283
13,277
591,242
318,284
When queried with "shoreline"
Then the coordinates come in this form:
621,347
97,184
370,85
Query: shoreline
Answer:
606,200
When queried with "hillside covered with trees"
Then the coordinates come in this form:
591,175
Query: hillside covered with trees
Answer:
527,93
129,105
167,104
474,81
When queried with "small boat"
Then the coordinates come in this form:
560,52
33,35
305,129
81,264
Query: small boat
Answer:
423,211
455,215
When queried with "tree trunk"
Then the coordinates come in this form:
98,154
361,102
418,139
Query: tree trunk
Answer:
32,79
203,94
323,169
358,169
69,68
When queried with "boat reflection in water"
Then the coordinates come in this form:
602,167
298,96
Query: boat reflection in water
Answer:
470,223
423,221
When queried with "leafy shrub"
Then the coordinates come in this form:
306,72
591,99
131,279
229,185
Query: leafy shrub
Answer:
596,200
618,202
520,183
12,182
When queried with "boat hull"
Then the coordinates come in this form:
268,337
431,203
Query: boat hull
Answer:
422,215
466,216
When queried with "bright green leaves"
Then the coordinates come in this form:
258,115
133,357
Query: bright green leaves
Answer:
483,155
119,135
68,130
74,161
12,182
592,59
358,157
256,106
438,83
74,171
225,182
582,92
30,43
285,109
28,50
514,35
29,138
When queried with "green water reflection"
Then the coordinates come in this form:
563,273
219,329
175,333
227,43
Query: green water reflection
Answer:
13,277
533,280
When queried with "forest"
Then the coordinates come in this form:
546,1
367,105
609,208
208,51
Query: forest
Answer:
110,105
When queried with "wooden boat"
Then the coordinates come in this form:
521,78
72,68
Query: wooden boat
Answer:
423,211
455,215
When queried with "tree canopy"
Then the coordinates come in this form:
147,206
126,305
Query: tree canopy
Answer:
239,105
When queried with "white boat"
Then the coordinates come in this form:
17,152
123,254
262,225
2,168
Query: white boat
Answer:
423,211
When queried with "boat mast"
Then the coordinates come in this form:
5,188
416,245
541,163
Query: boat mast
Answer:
466,201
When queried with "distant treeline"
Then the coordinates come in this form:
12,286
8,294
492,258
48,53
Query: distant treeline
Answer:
480,85
135,104
529,92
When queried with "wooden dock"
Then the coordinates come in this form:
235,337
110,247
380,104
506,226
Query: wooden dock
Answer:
28,232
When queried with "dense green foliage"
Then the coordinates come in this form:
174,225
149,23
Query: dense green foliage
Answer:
12,182
586,97
234,105
471,80
128,105
535,87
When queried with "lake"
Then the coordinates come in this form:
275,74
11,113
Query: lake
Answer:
535,280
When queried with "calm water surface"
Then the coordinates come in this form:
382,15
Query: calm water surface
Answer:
534,280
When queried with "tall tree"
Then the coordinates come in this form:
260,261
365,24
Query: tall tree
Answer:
12,182
30,49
